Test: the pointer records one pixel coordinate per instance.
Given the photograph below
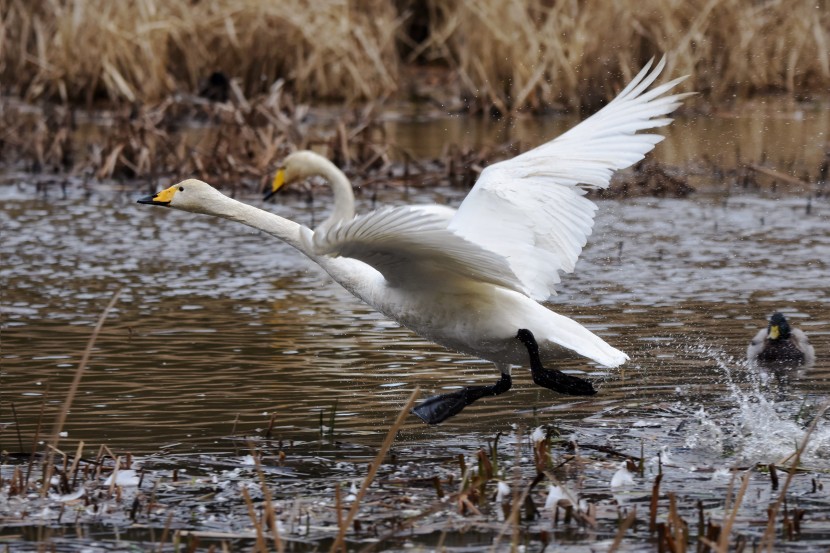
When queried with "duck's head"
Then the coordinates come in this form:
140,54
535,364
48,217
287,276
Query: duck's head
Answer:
296,167
188,195
779,328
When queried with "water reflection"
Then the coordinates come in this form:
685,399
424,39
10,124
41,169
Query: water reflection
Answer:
789,137
220,328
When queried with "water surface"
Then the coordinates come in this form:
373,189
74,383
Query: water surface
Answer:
220,328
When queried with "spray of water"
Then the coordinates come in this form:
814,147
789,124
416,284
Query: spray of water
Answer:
762,418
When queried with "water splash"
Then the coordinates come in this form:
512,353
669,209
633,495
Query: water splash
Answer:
761,418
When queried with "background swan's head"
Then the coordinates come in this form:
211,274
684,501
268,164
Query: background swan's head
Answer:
188,195
299,166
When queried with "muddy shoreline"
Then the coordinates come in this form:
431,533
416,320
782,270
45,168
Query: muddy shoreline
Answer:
237,146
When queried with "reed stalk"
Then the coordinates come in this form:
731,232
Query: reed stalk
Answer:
768,539
373,469
73,389
723,539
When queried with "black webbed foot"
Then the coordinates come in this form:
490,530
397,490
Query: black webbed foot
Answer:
563,383
437,409
551,378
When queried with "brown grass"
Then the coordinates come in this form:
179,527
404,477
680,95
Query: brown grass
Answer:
502,55
512,54
344,524
147,49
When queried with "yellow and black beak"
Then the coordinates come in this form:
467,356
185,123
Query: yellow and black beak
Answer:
160,198
774,332
276,184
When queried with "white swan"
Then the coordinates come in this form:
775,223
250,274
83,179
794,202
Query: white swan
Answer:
471,280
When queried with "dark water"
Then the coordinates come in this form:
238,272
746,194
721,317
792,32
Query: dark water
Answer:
773,131
219,328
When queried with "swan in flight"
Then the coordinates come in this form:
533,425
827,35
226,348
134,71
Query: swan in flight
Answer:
471,279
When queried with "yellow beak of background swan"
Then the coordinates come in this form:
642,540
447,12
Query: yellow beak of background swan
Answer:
276,184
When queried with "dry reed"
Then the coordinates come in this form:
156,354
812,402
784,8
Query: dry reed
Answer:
624,526
148,49
768,539
343,525
73,389
513,55
502,55
723,540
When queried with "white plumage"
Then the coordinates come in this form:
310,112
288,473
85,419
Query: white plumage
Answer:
469,280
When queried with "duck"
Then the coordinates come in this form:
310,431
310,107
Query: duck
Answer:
779,345
469,279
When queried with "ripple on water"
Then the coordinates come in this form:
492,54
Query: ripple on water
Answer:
219,328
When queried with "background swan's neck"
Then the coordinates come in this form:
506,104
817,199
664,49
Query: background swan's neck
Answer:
341,188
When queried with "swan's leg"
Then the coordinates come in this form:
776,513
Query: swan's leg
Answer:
551,378
437,409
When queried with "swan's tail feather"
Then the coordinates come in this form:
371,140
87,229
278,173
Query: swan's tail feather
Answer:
572,335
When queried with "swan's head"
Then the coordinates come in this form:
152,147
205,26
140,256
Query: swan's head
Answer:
299,166
188,195
779,328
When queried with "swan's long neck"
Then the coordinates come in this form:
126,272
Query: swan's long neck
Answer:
350,273
341,189
270,223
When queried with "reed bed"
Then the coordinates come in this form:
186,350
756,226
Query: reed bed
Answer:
502,56
145,50
237,145
531,491
513,55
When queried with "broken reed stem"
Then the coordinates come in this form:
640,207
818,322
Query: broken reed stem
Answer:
655,498
768,540
678,525
73,470
626,524
373,468
165,532
723,539
260,537
270,513
513,519
338,506
76,381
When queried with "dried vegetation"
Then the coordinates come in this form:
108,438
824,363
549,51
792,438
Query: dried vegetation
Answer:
145,50
506,55
219,90
534,492
512,55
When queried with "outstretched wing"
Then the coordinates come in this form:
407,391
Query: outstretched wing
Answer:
531,209
412,247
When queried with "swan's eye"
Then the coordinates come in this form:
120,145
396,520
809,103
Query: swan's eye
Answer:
181,189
